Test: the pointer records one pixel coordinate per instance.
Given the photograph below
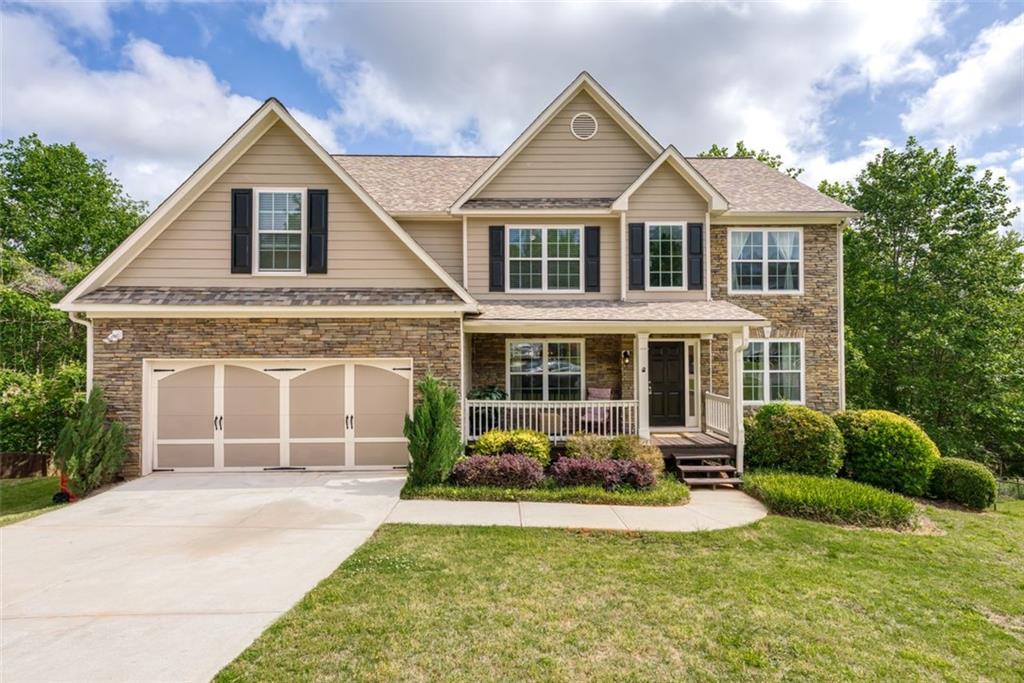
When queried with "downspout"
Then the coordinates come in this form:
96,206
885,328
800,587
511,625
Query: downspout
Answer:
88,348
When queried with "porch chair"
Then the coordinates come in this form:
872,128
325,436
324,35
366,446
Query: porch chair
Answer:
597,417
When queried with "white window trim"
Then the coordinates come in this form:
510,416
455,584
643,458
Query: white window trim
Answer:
647,256
256,232
544,228
544,363
764,261
766,373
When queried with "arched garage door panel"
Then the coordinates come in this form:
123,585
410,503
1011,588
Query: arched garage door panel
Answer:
185,435
317,424
257,414
381,402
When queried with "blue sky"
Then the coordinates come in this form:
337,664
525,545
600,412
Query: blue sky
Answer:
154,87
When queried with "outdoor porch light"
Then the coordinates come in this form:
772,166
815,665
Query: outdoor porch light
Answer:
114,337
627,356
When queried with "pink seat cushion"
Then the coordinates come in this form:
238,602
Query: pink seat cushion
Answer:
599,393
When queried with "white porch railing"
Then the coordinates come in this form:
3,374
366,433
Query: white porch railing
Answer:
558,419
717,414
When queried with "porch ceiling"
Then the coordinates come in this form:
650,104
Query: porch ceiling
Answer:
618,314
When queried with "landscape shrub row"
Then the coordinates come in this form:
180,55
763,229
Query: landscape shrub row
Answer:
874,447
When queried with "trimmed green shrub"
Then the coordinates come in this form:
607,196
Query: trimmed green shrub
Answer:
523,441
434,440
90,449
963,481
585,445
631,447
793,438
827,499
623,447
34,407
887,450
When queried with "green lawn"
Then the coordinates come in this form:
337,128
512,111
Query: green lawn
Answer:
24,498
782,599
667,491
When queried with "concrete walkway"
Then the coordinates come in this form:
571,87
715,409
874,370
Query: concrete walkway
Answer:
170,577
707,510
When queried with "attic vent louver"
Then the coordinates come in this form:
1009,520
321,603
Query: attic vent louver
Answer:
583,126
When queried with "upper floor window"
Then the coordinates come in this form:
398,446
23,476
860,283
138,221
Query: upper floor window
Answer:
543,259
545,370
773,370
666,258
280,230
765,260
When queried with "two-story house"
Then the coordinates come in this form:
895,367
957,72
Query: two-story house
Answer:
276,310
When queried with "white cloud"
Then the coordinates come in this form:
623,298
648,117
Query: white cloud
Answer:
819,166
88,17
984,93
470,77
155,119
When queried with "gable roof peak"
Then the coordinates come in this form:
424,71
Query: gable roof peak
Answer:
583,82
268,114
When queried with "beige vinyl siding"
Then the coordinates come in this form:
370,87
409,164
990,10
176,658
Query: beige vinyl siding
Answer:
442,240
556,164
195,250
666,196
477,258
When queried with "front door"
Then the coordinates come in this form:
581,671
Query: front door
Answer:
666,376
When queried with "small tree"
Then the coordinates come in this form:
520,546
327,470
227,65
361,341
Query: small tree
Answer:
434,439
90,450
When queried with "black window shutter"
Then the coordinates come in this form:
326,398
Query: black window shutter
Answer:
592,258
636,255
316,231
695,255
241,231
496,261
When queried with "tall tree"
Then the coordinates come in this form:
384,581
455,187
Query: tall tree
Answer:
60,210
763,155
935,300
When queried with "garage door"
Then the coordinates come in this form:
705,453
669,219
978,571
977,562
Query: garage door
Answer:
268,414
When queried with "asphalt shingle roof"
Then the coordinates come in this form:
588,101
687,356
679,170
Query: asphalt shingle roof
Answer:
258,296
411,184
407,184
749,185
623,311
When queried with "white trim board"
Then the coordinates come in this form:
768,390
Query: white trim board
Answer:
269,113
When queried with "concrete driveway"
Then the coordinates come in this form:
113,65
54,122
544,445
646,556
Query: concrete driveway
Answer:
169,577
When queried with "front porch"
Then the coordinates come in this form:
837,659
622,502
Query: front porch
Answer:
561,385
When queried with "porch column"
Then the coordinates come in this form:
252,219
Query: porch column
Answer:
643,392
737,345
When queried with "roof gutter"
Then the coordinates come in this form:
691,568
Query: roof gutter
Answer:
98,310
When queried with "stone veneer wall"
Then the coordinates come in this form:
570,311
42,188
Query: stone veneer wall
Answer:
812,316
432,343
603,360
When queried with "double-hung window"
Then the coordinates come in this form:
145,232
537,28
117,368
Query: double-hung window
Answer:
765,260
280,233
545,370
545,259
666,258
773,370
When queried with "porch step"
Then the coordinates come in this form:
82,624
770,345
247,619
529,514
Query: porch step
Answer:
711,481
706,468
695,457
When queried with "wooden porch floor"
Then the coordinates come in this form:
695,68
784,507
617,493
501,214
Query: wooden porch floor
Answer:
687,439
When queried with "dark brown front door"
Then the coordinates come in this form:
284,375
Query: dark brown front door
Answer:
665,373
